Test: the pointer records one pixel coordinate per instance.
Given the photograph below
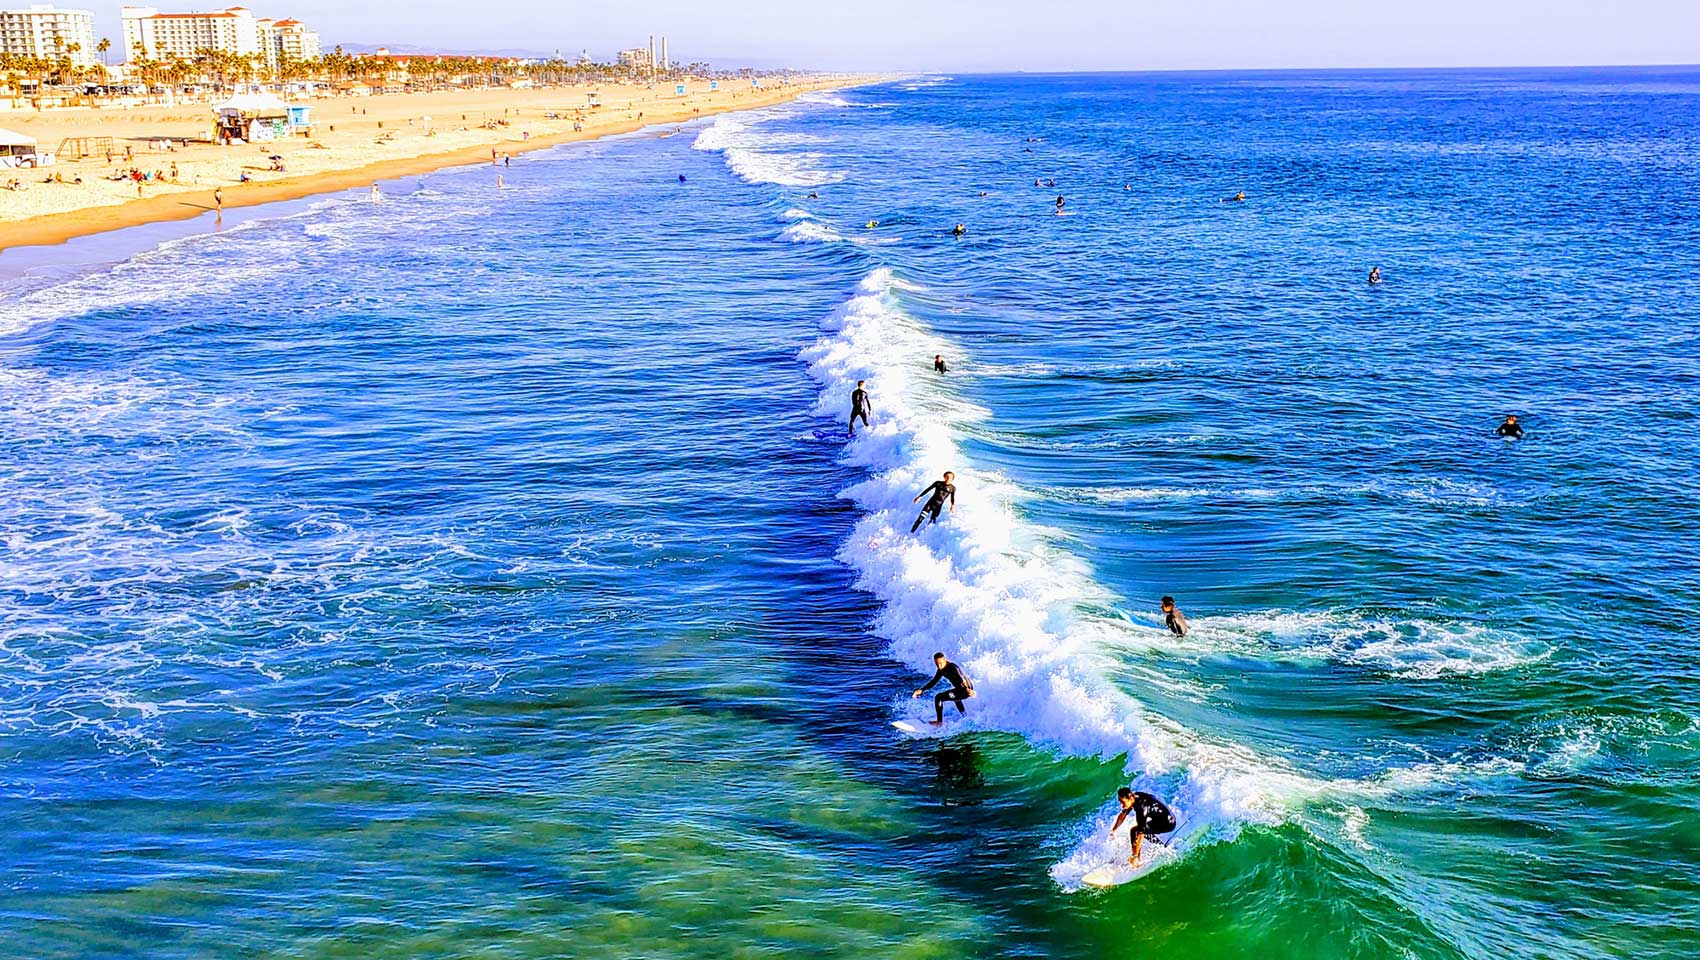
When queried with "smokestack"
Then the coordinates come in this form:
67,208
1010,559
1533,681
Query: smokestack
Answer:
652,56
665,63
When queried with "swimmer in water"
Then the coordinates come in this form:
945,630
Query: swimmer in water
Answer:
814,196
872,224
1374,274
1037,183
1510,429
938,363
958,230
937,493
1173,618
961,688
1236,198
859,406
681,178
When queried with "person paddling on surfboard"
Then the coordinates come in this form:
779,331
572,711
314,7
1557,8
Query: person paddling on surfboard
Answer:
938,363
937,493
1150,817
1510,429
961,688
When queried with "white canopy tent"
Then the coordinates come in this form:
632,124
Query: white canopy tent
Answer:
16,148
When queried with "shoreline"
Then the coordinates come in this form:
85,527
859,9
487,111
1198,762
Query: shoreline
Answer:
54,229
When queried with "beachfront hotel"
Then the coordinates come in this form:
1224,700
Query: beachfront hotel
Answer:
151,35
48,32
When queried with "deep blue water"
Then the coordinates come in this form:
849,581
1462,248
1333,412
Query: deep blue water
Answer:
485,572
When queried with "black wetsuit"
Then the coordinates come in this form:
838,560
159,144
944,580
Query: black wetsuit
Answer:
859,407
960,689
1150,816
1176,622
1509,429
939,493
938,365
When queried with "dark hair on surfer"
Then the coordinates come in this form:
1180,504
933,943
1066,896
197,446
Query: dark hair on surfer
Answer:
939,655
1124,793
1168,601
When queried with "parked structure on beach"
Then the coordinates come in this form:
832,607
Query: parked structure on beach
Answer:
49,33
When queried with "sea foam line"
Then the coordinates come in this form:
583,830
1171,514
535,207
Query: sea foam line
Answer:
981,586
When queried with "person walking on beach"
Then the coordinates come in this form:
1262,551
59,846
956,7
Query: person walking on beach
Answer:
1150,817
1510,429
1173,618
938,363
860,406
961,688
937,493
218,199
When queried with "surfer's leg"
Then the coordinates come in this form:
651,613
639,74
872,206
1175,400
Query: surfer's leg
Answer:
917,524
1137,836
938,705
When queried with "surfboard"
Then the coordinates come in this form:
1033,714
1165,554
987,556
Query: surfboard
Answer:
1152,856
907,727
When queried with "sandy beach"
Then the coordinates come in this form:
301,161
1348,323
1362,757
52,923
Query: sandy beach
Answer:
357,141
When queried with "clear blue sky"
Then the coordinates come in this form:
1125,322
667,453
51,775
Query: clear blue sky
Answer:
995,35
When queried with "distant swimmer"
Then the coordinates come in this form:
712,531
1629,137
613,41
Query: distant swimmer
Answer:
936,494
1236,198
1037,182
859,406
872,224
1510,429
814,196
1374,275
938,363
1051,182
1173,618
1150,817
681,178
984,193
961,688
958,230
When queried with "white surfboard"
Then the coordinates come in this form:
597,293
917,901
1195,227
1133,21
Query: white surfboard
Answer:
907,727
1151,857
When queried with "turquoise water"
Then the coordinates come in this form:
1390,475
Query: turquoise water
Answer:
484,572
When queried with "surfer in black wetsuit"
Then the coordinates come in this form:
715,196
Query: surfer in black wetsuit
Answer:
936,494
1510,429
1150,817
1173,618
938,363
1374,275
961,688
859,406
958,230
1236,198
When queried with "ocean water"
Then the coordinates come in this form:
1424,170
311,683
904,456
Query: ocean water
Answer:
485,573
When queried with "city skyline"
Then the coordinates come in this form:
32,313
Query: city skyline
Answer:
1000,36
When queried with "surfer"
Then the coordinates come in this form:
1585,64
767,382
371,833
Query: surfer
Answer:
1510,429
938,363
936,494
1236,198
961,688
1374,275
859,406
681,178
958,230
1150,815
1173,618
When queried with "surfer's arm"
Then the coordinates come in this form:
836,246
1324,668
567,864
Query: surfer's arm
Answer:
1118,824
930,683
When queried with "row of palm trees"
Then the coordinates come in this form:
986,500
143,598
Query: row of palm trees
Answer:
222,70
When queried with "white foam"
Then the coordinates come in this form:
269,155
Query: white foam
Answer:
810,231
760,156
983,587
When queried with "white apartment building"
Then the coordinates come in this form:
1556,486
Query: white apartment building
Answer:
48,32
151,35
292,39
